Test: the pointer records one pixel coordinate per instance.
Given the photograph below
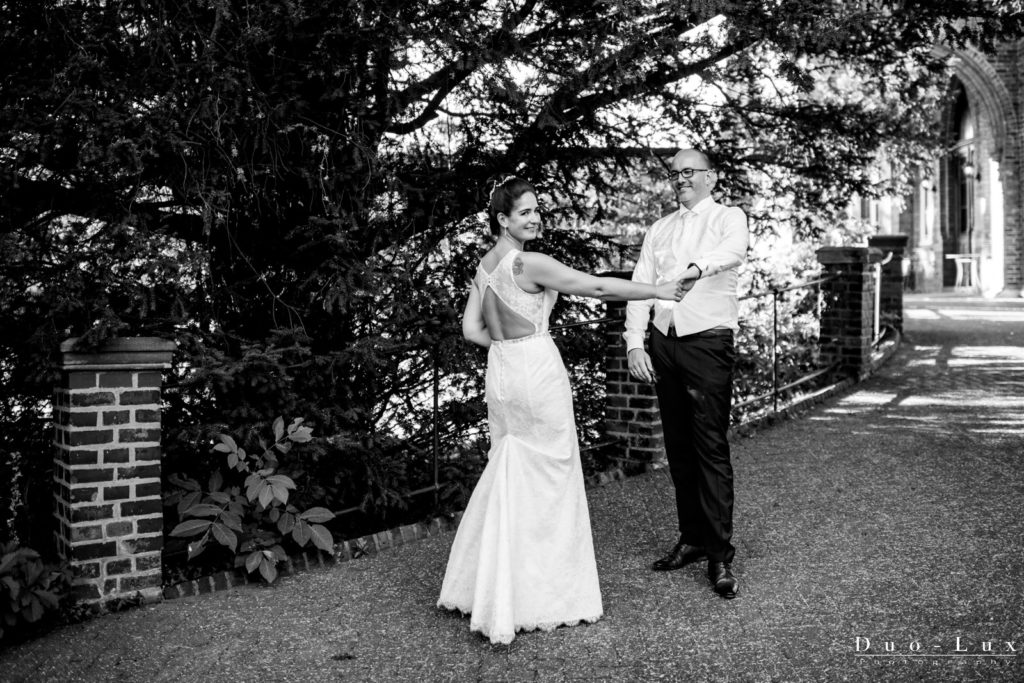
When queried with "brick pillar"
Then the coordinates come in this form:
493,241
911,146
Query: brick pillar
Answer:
892,277
107,467
848,317
631,409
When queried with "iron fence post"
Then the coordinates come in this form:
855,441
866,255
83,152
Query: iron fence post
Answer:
775,355
878,303
436,442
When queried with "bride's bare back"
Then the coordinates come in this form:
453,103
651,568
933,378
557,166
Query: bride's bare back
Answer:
502,321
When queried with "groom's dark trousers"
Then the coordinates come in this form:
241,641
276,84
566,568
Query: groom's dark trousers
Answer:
694,387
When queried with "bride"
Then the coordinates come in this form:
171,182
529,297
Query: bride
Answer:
523,556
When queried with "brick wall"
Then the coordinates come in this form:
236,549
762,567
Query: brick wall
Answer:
631,407
848,317
1007,65
107,467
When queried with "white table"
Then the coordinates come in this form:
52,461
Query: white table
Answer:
966,270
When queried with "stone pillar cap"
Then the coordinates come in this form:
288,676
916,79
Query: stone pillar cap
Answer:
144,353
864,255
888,240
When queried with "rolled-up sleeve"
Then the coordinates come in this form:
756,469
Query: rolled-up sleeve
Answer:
638,313
731,251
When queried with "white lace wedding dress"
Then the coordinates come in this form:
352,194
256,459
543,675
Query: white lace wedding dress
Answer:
523,556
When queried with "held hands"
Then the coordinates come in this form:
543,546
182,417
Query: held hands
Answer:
674,290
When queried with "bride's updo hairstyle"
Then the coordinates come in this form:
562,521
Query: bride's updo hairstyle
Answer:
503,197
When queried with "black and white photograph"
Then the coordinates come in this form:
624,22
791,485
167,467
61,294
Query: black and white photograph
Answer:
511,340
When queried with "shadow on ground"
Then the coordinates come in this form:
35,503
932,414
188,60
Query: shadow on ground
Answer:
891,515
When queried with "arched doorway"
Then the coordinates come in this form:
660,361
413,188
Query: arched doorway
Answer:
971,197
959,173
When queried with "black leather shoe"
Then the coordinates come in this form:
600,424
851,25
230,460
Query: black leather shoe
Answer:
721,577
680,556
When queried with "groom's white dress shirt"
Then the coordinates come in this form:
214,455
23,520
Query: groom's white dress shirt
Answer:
714,238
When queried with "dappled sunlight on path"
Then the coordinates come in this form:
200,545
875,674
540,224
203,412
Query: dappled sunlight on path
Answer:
889,514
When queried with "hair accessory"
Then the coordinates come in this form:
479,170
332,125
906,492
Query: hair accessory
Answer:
504,179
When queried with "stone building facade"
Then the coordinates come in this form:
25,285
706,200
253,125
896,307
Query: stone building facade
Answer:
965,217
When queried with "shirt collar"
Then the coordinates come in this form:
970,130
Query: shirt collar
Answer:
698,208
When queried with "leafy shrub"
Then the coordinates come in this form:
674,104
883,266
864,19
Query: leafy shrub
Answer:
250,516
29,589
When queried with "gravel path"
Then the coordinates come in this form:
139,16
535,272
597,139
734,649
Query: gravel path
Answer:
893,513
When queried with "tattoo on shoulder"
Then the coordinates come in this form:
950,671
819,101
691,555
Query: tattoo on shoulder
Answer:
517,266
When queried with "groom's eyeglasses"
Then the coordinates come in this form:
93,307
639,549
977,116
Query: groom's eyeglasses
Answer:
681,173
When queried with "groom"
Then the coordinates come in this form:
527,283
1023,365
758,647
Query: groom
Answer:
691,359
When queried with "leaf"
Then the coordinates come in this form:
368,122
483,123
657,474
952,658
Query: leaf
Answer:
233,461
301,435
279,552
220,497
32,573
194,549
266,494
317,515
275,514
225,536
48,598
228,441
302,533
202,510
231,520
13,586
223,448
279,492
184,482
35,611
283,446
191,527
286,523
188,501
278,428
282,479
268,570
322,538
216,481
252,487
6,562
253,561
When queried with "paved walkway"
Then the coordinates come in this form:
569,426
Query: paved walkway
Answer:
892,513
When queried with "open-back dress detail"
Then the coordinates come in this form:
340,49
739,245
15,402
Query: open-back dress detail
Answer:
523,556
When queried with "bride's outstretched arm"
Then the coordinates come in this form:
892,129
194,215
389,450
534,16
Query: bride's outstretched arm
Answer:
473,326
539,269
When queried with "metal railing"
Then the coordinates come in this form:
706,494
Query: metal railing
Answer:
776,392
776,389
